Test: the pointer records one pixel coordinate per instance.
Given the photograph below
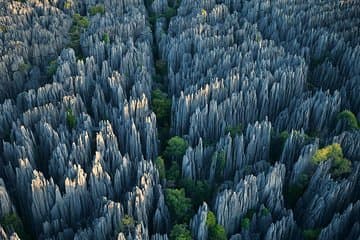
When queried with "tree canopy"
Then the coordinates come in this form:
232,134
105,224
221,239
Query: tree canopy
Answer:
179,205
176,148
333,152
180,232
216,231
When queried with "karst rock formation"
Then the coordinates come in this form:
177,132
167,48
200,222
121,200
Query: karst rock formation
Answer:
264,93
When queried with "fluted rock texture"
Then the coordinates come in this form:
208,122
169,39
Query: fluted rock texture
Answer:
258,90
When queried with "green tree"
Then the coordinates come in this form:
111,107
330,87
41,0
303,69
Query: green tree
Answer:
350,119
70,118
127,223
234,130
265,211
311,234
295,191
13,222
79,24
198,191
106,38
210,219
170,12
67,4
245,223
333,152
173,174
179,205
161,105
160,165
176,148
24,67
97,9
180,232
161,67
220,158
51,69
216,231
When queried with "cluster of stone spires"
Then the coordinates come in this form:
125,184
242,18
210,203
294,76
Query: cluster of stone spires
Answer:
77,147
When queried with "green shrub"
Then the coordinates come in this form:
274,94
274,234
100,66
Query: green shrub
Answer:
210,219
216,231
3,28
245,223
24,67
198,191
265,211
203,12
180,232
79,24
51,69
296,190
161,67
220,158
97,9
234,130
106,38
67,4
12,221
350,119
170,12
176,148
161,105
333,152
249,214
173,174
179,205
311,234
70,118
80,21
160,165
127,223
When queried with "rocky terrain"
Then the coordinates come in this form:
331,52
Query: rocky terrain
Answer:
180,119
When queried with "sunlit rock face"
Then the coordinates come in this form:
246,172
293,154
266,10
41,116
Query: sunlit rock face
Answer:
265,94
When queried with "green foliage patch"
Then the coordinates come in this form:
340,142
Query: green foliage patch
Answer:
311,234
160,165
198,191
296,190
79,24
161,105
51,68
13,222
24,67
106,38
127,223
176,148
234,130
350,119
70,118
245,223
97,9
180,232
216,231
220,158
339,165
180,206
